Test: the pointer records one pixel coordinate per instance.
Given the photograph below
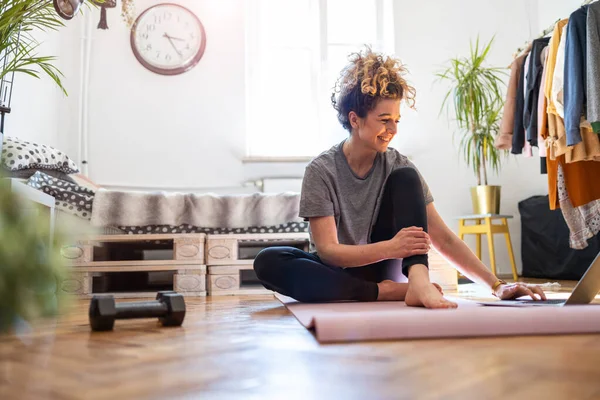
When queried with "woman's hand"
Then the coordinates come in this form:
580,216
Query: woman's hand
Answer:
409,242
513,290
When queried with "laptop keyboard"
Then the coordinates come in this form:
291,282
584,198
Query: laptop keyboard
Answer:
552,301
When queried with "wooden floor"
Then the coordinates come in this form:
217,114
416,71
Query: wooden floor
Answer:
251,347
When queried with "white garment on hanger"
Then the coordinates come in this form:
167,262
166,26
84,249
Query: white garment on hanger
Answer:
558,79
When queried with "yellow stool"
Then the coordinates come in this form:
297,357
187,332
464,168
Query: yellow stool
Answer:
488,228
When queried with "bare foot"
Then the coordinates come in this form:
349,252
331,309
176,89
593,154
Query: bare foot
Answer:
391,291
429,296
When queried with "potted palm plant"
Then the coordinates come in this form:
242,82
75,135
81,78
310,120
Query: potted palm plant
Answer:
18,47
19,19
476,95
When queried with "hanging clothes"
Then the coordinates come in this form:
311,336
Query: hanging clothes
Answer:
551,64
532,90
586,150
575,76
593,66
554,81
542,105
526,151
557,84
583,221
542,115
553,85
507,124
589,146
578,176
518,140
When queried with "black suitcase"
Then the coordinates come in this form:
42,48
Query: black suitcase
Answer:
545,250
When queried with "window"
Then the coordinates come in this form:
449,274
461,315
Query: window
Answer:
295,51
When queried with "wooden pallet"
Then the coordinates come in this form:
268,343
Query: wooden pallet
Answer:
230,260
189,280
228,249
98,257
185,247
225,280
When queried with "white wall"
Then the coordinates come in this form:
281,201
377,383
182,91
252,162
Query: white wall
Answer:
426,38
550,11
72,37
187,131
35,102
168,131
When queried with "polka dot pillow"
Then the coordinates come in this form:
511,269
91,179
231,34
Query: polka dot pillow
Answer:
18,154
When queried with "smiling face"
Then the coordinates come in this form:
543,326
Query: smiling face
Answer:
378,127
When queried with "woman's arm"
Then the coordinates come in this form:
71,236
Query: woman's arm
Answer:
324,233
407,242
456,251
459,254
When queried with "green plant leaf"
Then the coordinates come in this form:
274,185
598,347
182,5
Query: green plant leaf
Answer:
476,93
19,19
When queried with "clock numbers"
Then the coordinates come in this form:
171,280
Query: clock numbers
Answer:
168,39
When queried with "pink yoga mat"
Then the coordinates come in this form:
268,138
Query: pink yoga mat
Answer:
353,321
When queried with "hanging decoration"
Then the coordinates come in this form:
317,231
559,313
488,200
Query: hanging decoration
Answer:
128,12
103,24
67,9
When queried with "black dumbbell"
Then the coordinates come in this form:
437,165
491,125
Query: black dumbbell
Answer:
169,308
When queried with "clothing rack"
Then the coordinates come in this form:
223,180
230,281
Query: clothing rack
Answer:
544,33
523,115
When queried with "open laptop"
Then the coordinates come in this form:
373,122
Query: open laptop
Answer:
587,288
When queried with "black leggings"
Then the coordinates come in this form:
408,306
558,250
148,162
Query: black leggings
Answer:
304,277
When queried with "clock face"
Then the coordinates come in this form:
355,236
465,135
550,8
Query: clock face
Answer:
168,39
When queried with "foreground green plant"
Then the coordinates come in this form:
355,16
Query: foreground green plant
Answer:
30,270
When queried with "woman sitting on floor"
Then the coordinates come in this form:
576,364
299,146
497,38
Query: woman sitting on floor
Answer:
368,207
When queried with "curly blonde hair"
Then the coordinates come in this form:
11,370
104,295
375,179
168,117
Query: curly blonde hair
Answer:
368,78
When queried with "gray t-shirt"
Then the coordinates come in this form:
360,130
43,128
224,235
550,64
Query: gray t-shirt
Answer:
330,187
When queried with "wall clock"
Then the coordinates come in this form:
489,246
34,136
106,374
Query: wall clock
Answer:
168,39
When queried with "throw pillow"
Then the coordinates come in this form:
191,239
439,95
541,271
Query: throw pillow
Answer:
18,154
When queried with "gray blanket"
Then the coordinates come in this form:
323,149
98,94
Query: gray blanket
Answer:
117,208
